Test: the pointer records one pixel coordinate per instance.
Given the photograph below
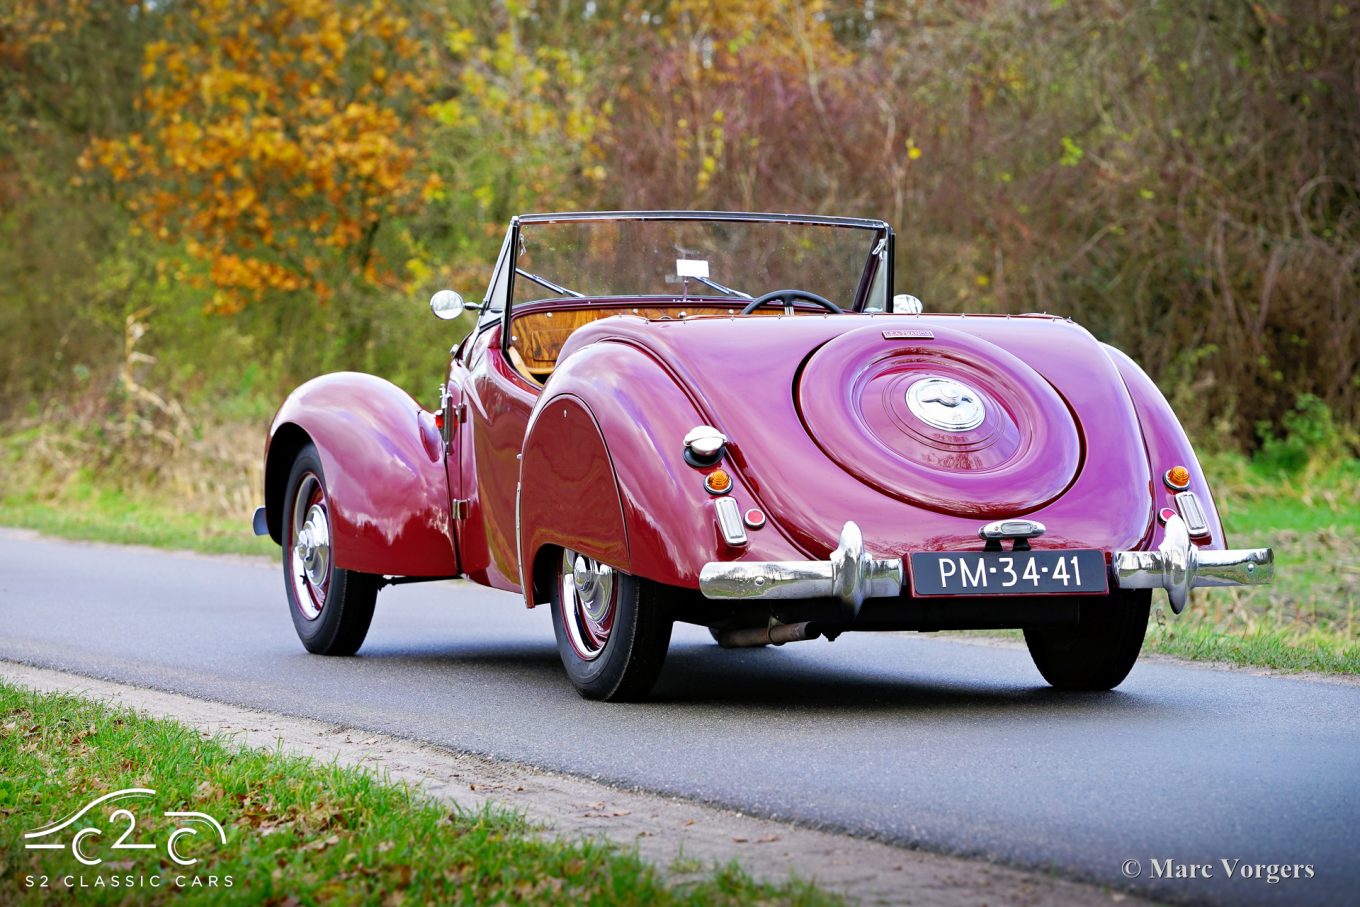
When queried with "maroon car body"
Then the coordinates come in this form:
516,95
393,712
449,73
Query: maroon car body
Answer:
556,466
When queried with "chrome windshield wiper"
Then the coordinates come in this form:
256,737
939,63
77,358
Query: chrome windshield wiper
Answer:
722,289
548,284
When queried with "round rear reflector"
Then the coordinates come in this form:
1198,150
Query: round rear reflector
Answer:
755,517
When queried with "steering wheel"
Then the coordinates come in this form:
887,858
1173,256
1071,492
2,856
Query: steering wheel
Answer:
788,297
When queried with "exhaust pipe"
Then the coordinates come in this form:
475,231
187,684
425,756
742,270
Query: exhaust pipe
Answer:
777,635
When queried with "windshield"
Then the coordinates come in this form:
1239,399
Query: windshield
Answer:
678,258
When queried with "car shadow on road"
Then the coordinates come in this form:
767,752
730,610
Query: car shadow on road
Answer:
703,675
532,662
707,676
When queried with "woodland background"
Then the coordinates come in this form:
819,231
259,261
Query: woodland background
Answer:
204,203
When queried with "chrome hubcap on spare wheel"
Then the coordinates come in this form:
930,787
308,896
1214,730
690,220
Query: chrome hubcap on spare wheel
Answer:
945,404
311,552
588,599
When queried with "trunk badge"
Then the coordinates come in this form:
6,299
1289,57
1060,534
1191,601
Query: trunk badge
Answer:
946,404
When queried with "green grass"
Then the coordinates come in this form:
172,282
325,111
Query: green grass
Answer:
1308,618
297,832
85,510
1280,648
111,483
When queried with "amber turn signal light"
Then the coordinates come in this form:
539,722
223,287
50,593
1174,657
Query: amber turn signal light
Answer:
718,482
1177,478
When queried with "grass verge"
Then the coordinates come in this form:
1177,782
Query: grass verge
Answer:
296,832
1307,619
87,511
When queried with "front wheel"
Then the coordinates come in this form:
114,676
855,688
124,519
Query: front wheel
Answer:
612,629
1099,652
331,607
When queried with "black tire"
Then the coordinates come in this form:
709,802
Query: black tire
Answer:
331,607
617,657
1097,653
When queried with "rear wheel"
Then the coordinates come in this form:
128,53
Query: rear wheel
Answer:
1099,652
331,607
612,629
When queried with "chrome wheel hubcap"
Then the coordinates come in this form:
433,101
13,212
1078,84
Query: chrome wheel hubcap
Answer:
313,546
310,557
588,598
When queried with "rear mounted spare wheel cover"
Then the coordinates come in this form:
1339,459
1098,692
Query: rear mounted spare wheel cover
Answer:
951,423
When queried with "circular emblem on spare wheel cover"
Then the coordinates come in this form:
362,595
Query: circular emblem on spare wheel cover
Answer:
1024,452
945,404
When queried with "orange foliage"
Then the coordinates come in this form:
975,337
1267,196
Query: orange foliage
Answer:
278,137
27,24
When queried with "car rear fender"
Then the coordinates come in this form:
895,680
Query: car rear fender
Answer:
567,495
615,418
1167,445
384,470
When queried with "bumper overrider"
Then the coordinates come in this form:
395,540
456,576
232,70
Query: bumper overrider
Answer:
852,574
1178,566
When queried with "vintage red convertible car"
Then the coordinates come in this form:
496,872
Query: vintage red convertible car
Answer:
729,419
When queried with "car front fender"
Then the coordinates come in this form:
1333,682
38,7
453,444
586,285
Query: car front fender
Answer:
383,460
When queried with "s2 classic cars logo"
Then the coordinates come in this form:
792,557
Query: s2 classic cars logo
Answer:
122,823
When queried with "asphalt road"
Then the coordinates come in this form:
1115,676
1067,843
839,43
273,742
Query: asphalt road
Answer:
917,740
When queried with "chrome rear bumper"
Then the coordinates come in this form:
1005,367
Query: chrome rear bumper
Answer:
851,575
1178,566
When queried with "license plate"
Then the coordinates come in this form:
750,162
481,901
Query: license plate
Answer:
1008,572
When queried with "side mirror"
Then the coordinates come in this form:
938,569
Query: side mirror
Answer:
904,304
448,305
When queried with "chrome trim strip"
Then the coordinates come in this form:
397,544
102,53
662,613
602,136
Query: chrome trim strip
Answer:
526,578
730,523
1192,513
754,217
851,575
1178,566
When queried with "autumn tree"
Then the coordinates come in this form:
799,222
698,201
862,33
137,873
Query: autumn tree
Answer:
279,138
744,104
519,125
68,68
